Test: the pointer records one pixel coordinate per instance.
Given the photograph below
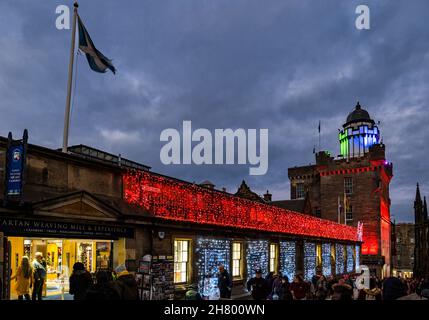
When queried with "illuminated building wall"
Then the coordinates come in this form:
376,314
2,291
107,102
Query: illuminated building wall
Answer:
357,262
287,258
350,259
309,260
257,257
339,259
326,259
355,141
210,254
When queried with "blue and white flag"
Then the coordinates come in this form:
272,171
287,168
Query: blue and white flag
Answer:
97,61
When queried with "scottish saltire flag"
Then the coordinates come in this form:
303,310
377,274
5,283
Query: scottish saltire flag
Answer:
97,61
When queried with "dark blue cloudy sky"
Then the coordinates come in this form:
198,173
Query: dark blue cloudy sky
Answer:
275,64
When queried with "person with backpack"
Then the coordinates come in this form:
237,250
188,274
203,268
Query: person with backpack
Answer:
125,284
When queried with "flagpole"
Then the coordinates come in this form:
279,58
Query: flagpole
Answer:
70,81
339,210
345,209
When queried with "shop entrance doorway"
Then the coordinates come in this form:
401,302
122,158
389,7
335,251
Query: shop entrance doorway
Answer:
59,256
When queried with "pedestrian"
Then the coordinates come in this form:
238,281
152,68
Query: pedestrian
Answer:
24,279
259,286
321,292
342,291
393,289
423,288
270,280
276,287
285,293
39,276
299,288
126,284
103,288
80,281
374,292
224,283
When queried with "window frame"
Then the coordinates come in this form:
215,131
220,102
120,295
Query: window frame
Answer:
240,260
273,260
349,213
187,263
298,195
348,186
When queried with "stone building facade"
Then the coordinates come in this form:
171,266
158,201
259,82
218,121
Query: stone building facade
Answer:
92,206
353,187
403,245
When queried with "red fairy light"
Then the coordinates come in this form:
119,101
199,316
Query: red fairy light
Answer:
181,201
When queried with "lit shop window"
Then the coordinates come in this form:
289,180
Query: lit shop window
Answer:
319,255
348,185
273,257
236,259
300,193
181,260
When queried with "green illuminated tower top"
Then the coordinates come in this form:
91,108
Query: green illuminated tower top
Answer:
359,133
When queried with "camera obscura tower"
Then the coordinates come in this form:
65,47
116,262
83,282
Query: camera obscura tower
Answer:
353,187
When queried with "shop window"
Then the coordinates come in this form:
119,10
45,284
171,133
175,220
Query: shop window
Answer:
237,253
300,192
181,260
319,256
348,185
273,257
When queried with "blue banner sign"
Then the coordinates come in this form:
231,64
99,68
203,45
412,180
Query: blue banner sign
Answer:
14,170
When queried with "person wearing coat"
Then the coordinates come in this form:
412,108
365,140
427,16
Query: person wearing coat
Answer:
103,289
24,279
224,283
80,281
259,286
126,284
39,274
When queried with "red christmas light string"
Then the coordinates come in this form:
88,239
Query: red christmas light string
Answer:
172,199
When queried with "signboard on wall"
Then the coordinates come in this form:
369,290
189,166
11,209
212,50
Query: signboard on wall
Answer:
16,154
60,229
14,170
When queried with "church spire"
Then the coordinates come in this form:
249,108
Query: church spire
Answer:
425,210
418,207
418,197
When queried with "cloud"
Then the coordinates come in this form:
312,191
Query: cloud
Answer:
281,65
119,137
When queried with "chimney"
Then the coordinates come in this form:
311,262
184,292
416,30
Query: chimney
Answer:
268,197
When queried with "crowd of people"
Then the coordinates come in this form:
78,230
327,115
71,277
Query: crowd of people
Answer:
121,285
105,285
345,287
